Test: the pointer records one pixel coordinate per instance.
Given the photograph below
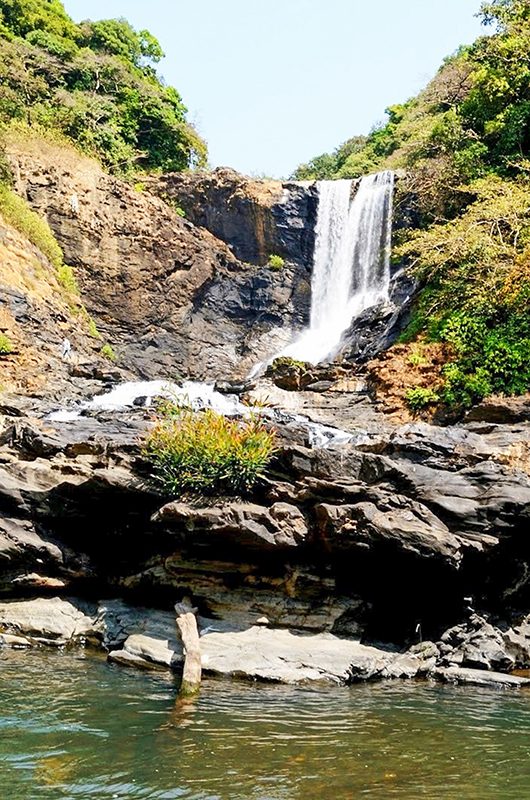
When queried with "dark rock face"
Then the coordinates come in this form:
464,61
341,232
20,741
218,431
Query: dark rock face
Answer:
370,538
375,329
256,218
170,297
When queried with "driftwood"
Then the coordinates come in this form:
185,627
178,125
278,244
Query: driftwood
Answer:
189,633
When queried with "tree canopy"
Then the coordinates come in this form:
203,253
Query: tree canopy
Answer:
96,83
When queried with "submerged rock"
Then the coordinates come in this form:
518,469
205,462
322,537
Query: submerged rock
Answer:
478,677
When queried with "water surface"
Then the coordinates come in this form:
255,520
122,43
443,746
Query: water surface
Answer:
73,726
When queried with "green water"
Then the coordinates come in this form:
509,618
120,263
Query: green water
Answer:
72,726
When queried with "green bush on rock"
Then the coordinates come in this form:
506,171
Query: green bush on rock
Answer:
205,453
107,351
6,345
275,262
420,398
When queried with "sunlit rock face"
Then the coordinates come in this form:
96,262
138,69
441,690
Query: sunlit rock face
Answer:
257,218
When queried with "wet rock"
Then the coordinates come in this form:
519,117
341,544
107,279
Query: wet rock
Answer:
376,328
129,659
407,665
478,677
147,649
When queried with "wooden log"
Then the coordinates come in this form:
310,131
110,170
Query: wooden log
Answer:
189,633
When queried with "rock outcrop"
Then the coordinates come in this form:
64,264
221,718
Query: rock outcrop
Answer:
368,540
343,558
257,218
169,296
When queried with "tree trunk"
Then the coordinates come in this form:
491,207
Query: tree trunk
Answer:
189,633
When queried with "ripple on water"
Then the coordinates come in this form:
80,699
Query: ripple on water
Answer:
75,727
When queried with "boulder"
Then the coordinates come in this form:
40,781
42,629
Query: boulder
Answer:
290,657
242,525
51,621
400,523
517,642
476,644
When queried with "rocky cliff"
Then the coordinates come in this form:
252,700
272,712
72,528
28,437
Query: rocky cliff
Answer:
394,532
257,218
168,295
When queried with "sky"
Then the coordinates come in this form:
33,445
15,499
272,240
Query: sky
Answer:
272,83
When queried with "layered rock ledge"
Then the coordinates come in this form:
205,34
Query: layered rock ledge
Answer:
405,533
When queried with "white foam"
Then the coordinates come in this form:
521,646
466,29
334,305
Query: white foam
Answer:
351,264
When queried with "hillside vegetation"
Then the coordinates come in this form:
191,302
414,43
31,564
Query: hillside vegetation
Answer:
464,144
95,83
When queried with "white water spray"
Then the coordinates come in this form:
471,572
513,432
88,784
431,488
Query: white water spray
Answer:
351,266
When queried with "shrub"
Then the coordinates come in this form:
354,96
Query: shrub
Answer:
6,345
275,262
66,277
93,329
107,351
180,211
417,359
17,213
206,453
420,397
463,389
286,362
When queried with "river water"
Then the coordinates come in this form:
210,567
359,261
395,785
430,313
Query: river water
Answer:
73,726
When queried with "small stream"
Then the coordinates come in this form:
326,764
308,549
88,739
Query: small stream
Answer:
198,396
73,726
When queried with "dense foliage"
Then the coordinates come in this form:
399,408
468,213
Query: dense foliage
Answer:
464,144
96,83
205,453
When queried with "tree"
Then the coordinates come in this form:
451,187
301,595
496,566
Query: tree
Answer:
96,83
503,13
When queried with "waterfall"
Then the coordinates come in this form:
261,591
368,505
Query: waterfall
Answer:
351,266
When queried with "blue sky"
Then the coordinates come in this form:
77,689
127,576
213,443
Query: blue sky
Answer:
272,83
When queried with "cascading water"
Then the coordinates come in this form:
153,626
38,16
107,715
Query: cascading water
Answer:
350,273
351,262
